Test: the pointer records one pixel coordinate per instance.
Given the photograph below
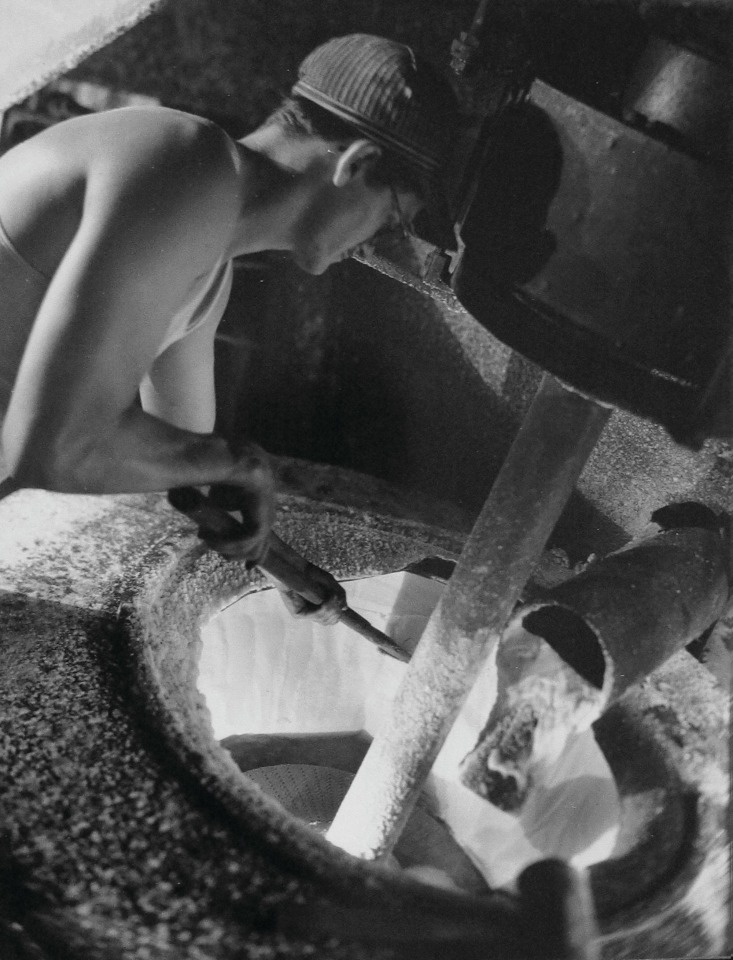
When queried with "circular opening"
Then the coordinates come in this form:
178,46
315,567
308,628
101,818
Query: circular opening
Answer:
571,638
297,704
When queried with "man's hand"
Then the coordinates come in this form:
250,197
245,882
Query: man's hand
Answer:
328,609
234,520
307,590
254,509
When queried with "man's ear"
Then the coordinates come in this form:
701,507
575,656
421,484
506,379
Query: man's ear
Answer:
356,158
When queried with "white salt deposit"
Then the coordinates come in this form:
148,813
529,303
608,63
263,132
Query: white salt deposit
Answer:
264,672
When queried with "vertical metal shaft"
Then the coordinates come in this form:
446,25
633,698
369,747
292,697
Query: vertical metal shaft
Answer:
557,437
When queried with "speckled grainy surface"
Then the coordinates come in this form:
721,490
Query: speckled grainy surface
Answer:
126,831
129,833
95,823
685,715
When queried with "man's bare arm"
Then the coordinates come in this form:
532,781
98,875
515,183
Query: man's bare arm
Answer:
179,387
73,422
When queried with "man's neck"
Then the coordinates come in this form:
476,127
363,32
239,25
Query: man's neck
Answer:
277,175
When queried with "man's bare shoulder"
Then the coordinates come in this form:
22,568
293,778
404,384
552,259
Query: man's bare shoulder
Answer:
173,169
152,171
150,148
132,136
150,141
131,128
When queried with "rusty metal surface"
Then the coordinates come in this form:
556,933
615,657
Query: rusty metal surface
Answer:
600,253
638,609
662,732
679,95
648,601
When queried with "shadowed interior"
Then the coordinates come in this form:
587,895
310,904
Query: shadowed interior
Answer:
283,695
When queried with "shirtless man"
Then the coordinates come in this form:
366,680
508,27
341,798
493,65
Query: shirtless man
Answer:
117,232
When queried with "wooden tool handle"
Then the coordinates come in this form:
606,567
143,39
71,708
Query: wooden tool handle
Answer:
197,507
218,523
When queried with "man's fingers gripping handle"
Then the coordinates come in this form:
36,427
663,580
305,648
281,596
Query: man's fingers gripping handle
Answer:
222,526
211,520
216,525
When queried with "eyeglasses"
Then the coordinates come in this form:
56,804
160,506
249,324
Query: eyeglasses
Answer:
400,230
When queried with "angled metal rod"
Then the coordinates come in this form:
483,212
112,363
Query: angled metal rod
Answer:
554,442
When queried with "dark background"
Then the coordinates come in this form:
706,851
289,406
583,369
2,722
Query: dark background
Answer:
353,368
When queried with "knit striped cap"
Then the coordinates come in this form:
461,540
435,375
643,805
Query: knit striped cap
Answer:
386,92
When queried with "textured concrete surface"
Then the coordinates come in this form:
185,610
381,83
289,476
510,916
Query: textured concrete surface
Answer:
129,833
40,39
673,737
124,834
